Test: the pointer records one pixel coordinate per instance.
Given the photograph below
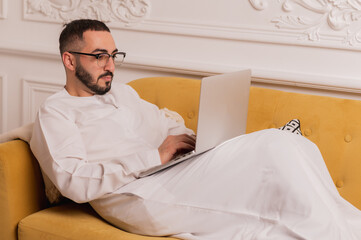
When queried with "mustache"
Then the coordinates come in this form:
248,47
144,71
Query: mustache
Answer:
106,74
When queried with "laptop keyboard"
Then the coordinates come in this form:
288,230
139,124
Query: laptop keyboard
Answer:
183,155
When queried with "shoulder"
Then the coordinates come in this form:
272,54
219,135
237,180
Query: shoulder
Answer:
59,103
54,99
58,95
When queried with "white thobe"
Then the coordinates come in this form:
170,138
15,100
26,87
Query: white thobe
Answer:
91,146
269,184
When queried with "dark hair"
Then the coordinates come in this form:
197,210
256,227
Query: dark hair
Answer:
73,32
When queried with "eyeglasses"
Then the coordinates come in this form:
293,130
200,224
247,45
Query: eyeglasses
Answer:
103,58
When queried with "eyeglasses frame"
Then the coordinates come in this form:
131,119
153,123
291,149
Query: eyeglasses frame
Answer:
97,55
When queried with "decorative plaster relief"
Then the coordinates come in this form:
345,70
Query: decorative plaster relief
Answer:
128,12
3,9
259,4
337,14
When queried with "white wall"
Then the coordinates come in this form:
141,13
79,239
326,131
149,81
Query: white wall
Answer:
299,45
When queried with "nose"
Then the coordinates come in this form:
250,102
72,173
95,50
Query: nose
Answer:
110,66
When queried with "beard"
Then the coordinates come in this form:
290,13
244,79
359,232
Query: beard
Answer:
86,78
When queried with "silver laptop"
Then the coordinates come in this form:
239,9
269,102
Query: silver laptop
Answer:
222,115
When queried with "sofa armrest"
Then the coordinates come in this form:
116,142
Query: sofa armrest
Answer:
21,186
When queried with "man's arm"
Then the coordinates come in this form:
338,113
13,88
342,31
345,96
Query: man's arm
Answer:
178,138
59,148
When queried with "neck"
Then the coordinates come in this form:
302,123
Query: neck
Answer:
77,89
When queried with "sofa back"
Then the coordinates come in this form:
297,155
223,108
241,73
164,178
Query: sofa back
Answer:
333,124
177,94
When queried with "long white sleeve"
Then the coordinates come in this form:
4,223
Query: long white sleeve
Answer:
89,147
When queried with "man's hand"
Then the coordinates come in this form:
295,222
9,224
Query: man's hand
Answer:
175,143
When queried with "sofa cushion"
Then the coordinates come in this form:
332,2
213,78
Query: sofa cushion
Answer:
72,221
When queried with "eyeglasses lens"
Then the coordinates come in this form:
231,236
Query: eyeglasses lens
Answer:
103,59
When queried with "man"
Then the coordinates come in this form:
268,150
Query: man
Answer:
93,140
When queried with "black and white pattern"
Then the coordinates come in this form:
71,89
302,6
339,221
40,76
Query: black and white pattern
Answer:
293,126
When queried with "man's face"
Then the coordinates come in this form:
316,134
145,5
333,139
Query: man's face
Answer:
88,80
96,79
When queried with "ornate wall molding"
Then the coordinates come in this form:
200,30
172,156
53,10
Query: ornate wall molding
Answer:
3,105
341,16
3,9
127,12
34,91
245,32
32,88
341,85
318,23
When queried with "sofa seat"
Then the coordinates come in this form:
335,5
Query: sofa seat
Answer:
72,221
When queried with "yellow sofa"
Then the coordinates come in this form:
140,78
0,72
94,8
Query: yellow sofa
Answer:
333,124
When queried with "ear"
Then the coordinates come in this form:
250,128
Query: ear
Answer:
69,61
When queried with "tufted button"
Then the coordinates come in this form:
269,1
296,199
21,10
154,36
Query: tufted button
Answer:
272,125
339,183
348,138
190,115
308,132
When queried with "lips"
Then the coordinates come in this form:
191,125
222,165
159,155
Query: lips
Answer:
108,76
